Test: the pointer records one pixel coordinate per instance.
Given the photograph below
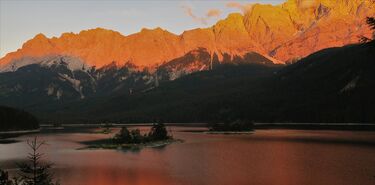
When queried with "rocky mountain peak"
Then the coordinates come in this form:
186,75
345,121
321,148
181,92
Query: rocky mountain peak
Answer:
291,30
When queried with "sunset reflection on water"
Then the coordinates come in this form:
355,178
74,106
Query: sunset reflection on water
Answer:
267,157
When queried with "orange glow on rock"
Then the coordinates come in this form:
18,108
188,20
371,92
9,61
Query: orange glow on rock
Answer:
292,30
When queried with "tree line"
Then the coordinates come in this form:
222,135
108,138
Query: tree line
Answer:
158,132
14,119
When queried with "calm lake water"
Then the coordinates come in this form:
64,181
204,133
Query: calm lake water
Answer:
267,157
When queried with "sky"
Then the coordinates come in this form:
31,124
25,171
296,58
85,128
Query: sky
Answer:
21,20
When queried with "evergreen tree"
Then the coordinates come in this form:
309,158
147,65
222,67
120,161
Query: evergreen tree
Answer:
34,172
123,136
4,178
136,136
158,132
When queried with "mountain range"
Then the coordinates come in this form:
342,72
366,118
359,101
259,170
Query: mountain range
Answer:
238,64
283,33
334,85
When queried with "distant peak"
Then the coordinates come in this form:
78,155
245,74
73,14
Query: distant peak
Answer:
233,20
67,34
40,36
302,4
235,16
99,30
157,29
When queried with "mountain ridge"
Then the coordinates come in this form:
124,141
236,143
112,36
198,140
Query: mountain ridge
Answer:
282,33
329,86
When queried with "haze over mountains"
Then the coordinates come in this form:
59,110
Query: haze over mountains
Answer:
284,32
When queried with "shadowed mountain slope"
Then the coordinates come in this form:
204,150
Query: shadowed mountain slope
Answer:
332,85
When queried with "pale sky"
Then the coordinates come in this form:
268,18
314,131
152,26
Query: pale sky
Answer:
21,20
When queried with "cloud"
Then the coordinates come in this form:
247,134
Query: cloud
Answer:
189,11
213,13
243,7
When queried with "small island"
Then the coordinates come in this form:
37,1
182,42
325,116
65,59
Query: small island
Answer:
126,139
231,127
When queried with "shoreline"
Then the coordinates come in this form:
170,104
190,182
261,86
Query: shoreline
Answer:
257,126
230,132
107,144
296,126
317,126
15,133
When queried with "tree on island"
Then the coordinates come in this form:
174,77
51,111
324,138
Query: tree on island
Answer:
123,136
158,132
136,136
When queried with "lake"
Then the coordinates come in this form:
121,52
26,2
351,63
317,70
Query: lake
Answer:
266,157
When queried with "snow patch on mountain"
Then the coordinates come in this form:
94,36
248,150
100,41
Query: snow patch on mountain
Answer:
76,84
59,93
72,63
351,85
50,89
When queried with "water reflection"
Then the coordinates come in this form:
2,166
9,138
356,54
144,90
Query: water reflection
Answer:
268,157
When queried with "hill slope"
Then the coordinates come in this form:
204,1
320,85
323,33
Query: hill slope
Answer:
56,80
12,119
332,85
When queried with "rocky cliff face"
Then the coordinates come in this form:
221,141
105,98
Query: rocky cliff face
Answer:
323,23
285,32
